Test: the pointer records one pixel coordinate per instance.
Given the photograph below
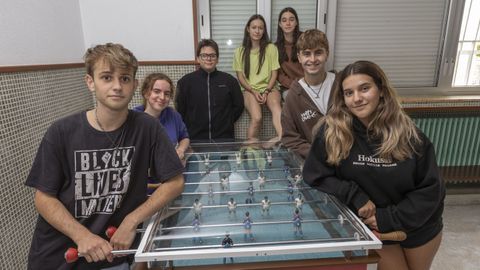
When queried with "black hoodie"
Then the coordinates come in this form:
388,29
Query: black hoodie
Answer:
209,103
408,194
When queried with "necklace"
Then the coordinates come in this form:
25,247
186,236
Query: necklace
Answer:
112,141
317,93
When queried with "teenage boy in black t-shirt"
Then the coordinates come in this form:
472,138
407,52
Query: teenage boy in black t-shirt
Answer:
92,167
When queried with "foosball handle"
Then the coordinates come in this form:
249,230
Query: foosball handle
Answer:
391,236
71,255
110,231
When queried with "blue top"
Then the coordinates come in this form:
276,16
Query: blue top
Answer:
172,122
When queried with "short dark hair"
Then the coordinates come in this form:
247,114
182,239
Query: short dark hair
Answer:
207,43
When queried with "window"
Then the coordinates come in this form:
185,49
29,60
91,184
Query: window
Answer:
425,47
467,69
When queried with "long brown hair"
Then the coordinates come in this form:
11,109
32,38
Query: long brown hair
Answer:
280,43
247,45
390,125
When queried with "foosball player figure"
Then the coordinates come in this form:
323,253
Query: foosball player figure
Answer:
238,158
210,194
196,230
197,207
298,179
297,224
299,202
251,193
269,158
286,170
224,182
232,206
266,205
227,242
206,159
290,197
247,226
261,180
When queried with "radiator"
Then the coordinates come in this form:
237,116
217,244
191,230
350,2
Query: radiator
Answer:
457,146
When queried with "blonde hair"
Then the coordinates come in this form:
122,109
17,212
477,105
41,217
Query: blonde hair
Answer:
114,55
312,39
390,125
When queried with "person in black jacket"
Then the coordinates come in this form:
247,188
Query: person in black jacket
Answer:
210,101
369,154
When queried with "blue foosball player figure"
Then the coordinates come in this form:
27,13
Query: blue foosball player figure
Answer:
290,197
297,224
227,242
251,193
247,226
211,200
286,170
196,230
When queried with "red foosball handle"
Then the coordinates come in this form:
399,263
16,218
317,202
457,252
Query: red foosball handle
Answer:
71,255
110,231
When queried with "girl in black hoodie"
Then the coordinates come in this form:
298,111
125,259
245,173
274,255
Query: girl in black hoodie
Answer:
369,154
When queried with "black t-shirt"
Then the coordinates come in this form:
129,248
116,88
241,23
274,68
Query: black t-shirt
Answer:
100,177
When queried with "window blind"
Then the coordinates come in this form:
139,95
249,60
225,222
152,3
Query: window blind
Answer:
228,20
403,37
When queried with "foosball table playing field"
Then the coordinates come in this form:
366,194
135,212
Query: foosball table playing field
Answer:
246,207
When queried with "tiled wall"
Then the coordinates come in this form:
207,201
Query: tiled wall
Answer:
29,103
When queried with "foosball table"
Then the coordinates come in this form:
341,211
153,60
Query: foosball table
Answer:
245,206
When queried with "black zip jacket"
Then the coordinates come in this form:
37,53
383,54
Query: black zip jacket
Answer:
209,103
408,194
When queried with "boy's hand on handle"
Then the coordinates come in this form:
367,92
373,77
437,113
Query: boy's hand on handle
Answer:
71,255
94,248
123,237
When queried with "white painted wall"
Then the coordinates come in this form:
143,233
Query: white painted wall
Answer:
36,32
154,30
